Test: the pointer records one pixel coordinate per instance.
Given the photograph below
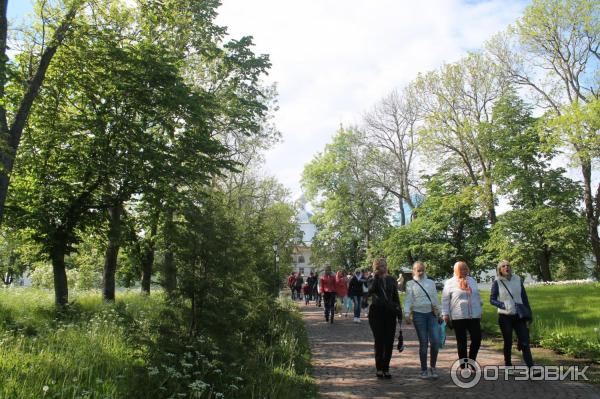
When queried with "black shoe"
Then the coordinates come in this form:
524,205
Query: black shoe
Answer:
379,375
331,319
387,375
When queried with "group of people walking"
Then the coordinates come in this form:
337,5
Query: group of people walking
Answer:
460,309
338,293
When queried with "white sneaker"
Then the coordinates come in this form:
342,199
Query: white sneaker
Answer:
424,375
433,373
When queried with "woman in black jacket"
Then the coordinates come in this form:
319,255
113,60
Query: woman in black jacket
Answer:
384,311
356,290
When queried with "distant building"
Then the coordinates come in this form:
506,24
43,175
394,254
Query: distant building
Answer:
301,255
408,213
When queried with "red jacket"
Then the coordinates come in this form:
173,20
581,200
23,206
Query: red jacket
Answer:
341,285
327,283
291,281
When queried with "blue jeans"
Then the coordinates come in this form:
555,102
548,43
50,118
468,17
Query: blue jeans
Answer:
357,300
427,326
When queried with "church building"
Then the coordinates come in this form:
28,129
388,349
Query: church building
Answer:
301,262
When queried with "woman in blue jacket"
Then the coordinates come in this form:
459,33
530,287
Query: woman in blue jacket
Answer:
508,291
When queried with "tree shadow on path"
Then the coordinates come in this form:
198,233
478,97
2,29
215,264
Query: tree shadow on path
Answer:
343,367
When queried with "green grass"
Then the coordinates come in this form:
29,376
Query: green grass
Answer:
83,351
139,347
564,318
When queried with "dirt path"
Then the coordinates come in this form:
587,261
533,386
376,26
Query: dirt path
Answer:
344,367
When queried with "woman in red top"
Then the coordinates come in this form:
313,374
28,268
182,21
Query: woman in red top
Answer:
341,291
327,288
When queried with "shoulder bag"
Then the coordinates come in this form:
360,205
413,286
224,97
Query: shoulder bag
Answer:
434,308
523,312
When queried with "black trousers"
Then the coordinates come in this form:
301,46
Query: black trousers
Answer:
383,325
329,304
473,326
508,323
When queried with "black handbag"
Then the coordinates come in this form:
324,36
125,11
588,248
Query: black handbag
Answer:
523,311
400,346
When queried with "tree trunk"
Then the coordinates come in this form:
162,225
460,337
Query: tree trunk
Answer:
545,265
148,260
112,252
591,212
169,273
12,133
194,316
61,287
489,195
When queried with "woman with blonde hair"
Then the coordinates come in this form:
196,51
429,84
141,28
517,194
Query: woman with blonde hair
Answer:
383,312
421,299
462,306
508,292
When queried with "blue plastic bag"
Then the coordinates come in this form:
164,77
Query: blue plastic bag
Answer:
442,334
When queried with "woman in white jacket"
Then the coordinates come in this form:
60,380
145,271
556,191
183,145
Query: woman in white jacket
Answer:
421,299
461,306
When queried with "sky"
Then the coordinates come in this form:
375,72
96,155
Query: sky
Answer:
332,60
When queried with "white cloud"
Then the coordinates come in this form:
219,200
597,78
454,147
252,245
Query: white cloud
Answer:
333,59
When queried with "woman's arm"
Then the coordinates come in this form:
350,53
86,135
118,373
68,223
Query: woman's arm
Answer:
446,296
395,296
408,298
494,296
524,298
373,285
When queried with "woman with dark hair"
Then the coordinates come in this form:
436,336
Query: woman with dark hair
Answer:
507,293
383,312
327,289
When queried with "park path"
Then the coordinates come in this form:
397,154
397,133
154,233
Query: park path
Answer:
343,367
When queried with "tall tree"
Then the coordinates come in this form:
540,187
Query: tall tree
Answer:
137,125
450,226
351,211
543,228
14,112
457,102
554,50
391,128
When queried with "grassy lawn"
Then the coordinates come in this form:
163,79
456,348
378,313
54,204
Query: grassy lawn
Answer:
84,351
134,349
566,318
